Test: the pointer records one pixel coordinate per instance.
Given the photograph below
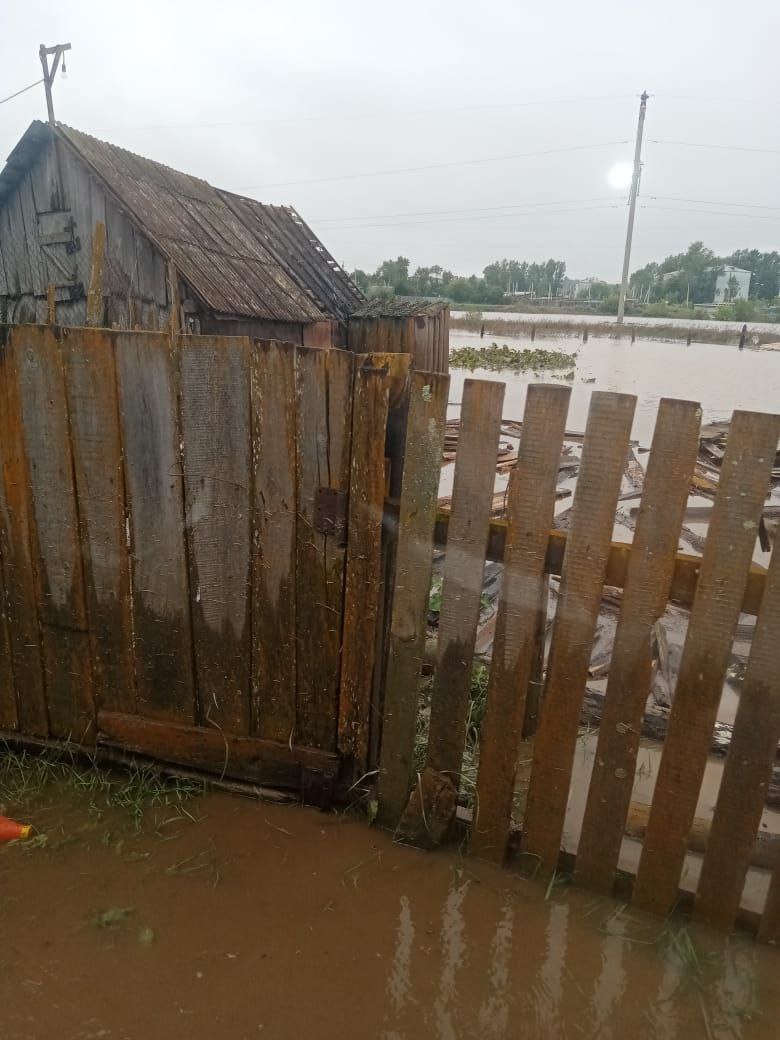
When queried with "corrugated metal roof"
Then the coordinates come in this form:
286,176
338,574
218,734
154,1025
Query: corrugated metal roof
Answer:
399,307
240,257
300,253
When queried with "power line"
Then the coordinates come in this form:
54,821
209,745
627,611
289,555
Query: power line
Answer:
22,91
719,147
708,202
347,116
445,220
432,166
714,213
467,209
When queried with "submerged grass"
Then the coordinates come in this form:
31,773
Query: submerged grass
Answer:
498,358
27,777
477,700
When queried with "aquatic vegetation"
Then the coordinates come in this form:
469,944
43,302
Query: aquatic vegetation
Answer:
498,358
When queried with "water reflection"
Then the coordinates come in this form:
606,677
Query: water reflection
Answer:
562,968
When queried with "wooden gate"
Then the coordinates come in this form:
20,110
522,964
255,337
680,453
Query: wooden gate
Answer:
174,560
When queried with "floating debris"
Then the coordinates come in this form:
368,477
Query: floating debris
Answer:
497,358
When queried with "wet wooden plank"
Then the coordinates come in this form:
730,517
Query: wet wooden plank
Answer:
648,578
744,483
8,714
584,567
215,426
413,568
769,928
531,505
90,377
364,587
26,661
464,571
273,540
684,579
747,769
260,761
323,438
153,486
54,535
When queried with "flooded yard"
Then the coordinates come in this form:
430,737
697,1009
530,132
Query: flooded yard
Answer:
224,917
721,377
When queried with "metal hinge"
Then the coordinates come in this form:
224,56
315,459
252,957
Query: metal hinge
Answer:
330,514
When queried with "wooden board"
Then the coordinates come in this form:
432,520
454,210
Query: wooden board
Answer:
273,540
411,588
324,422
769,929
246,758
684,579
26,662
531,504
215,426
153,485
747,770
650,568
8,713
54,534
364,587
587,551
464,571
744,483
97,462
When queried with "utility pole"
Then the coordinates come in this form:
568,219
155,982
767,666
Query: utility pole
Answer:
49,73
632,206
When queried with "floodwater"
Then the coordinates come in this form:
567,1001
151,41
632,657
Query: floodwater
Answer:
722,378
595,319
255,920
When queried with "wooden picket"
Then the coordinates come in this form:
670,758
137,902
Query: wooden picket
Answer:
472,498
598,485
744,480
529,517
650,568
413,569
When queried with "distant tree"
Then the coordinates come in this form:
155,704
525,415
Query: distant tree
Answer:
764,271
394,273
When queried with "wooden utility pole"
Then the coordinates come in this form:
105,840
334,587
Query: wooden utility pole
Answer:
49,73
632,206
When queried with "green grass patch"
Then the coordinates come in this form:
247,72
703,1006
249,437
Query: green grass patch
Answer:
26,778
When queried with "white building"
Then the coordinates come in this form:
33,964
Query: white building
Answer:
733,284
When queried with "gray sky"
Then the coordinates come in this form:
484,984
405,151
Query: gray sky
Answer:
319,90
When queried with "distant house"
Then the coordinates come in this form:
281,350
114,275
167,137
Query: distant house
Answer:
174,246
733,283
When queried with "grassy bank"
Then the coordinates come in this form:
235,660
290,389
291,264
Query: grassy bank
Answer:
575,327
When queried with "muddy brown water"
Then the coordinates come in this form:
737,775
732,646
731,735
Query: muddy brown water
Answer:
268,921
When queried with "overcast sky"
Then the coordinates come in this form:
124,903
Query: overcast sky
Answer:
257,96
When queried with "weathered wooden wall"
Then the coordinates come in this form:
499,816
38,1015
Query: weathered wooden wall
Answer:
173,560
423,336
46,231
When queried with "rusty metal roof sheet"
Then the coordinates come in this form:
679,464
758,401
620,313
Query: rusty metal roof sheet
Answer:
399,307
240,257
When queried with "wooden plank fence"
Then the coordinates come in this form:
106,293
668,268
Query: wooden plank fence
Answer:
218,552
651,573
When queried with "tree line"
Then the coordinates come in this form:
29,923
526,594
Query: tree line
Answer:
680,279
498,279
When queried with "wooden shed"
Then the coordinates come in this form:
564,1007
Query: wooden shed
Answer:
404,325
84,221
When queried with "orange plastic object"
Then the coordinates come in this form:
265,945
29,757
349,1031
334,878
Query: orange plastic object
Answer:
10,830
